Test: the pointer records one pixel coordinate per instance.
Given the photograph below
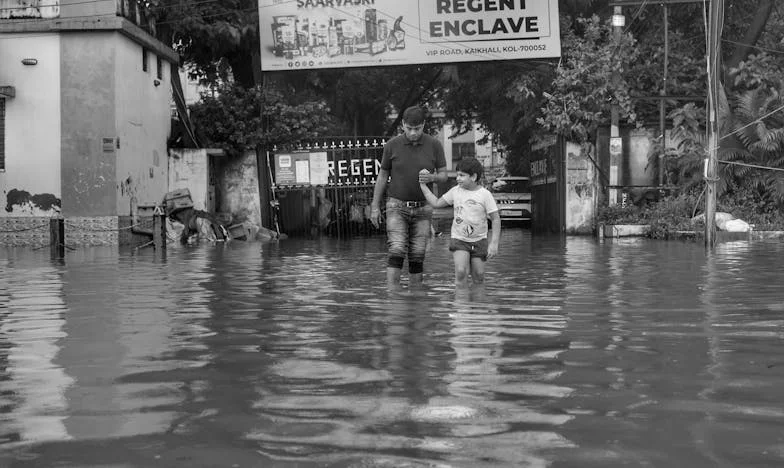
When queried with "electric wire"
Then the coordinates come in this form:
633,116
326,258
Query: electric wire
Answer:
766,49
756,166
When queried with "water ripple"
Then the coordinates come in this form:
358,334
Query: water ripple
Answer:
580,353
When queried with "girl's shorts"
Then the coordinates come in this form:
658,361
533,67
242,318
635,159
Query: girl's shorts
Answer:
477,249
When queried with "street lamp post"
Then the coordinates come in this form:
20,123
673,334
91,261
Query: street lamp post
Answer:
616,147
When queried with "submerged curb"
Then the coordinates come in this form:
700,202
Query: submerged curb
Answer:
641,230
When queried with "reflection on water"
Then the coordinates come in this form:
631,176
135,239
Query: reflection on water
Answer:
32,317
632,352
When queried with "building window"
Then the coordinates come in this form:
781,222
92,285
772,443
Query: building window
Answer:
145,60
159,67
2,134
462,150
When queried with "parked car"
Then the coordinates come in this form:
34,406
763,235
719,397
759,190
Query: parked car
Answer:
513,196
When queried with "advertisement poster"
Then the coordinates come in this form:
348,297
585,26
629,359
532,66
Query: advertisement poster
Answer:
309,34
302,168
284,169
319,170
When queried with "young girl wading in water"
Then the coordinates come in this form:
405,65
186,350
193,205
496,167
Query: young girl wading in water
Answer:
473,205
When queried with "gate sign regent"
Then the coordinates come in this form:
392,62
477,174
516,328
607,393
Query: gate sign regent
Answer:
324,168
308,34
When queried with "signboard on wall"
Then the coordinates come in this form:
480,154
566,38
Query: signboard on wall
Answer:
308,34
543,171
315,168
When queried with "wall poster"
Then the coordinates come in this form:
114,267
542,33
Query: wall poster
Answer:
301,168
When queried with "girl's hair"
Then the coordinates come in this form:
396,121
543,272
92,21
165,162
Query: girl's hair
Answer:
471,166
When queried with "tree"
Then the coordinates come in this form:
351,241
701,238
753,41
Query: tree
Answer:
513,100
758,125
754,15
219,39
237,118
583,90
362,99
749,118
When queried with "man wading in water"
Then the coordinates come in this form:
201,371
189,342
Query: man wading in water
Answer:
408,215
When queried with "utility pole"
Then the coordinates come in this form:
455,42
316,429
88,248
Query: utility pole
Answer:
715,24
616,147
662,104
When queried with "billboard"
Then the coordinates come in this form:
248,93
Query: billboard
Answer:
308,34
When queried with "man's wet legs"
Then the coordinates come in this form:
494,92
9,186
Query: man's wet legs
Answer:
393,278
421,229
415,281
397,243
408,232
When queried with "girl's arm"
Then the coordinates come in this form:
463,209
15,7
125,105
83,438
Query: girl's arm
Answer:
495,234
432,200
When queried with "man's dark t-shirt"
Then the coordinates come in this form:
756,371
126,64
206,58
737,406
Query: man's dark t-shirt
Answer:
404,159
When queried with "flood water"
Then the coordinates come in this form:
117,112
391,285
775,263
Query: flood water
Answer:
293,354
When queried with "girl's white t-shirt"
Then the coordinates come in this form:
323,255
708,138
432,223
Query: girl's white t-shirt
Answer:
472,208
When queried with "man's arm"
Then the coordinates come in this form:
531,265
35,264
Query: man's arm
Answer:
378,194
495,234
440,163
440,175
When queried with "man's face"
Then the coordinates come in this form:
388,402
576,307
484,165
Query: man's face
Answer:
413,132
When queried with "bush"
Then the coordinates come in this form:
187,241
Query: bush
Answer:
674,213
751,206
618,214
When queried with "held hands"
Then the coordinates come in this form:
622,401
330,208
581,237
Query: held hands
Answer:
425,177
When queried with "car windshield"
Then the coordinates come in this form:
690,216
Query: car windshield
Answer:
511,186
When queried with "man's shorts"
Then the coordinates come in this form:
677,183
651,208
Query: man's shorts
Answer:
477,249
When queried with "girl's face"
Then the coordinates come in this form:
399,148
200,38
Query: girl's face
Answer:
464,180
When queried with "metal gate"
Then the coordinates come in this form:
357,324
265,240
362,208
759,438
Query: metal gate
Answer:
548,197
325,186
